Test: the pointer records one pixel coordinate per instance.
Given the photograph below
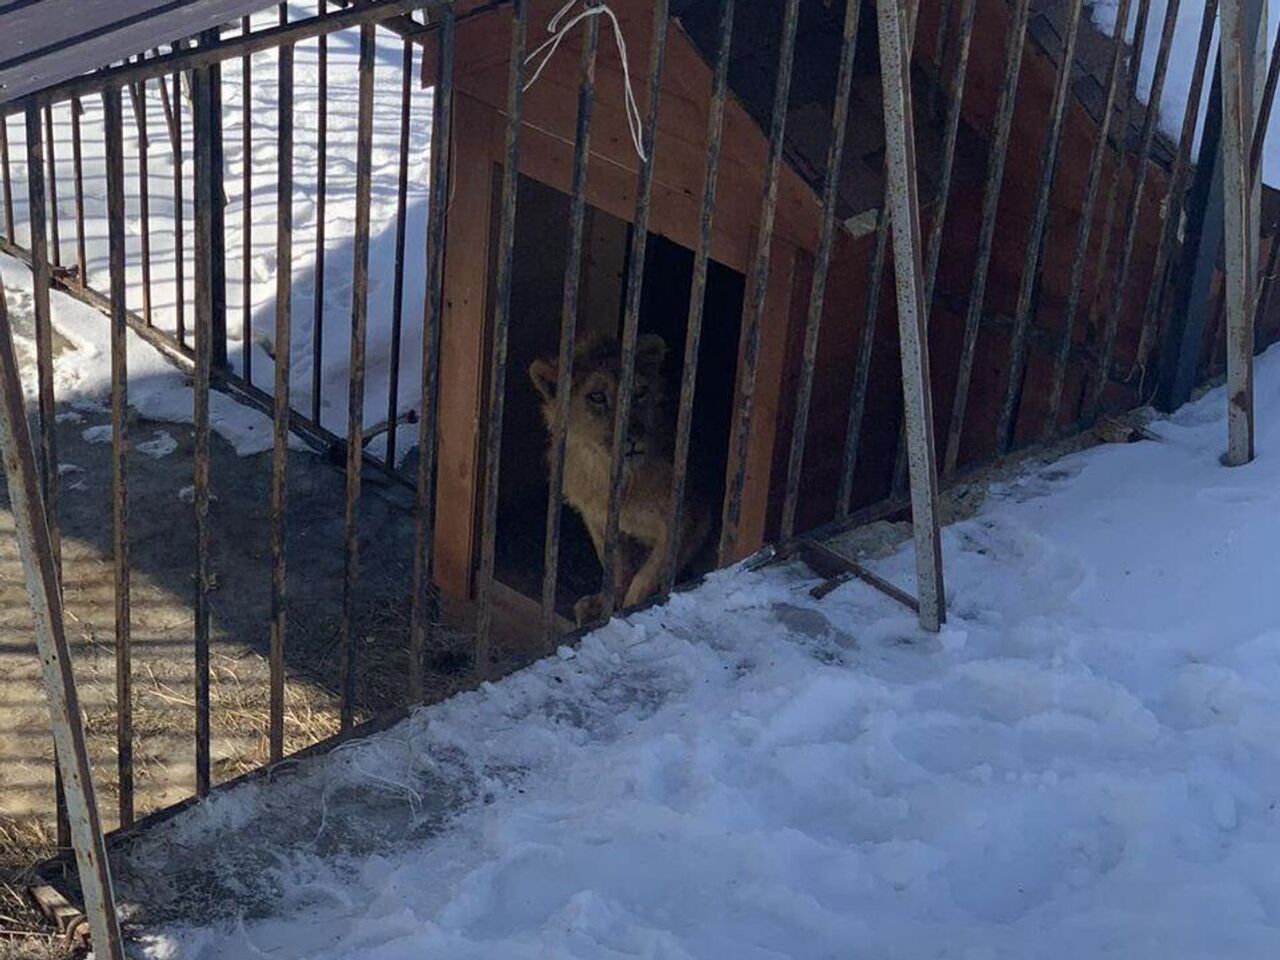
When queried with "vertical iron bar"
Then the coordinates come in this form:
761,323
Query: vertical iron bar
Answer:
501,323
442,121
822,260
1236,127
246,211
322,180
179,235
283,348
1058,377
217,218
905,213
759,281
986,232
355,402
933,248
205,299
114,136
697,294
139,93
1176,197
77,160
1037,234
568,326
631,311
397,293
6,180
1102,374
1263,122
51,164
40,280
875,280
44,591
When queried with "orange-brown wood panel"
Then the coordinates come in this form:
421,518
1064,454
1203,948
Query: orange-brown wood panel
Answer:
549,115
462,353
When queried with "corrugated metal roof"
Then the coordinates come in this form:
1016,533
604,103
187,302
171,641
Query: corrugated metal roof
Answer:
43,42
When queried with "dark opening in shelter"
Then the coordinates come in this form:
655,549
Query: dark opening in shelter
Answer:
537,305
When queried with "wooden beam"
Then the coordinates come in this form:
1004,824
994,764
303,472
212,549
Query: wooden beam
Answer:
462,346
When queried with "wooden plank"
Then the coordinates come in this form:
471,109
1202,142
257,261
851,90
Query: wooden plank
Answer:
462,342
547,144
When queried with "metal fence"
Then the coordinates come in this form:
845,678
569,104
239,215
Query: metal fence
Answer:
195,332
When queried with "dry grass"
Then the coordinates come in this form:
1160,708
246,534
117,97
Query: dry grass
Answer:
24,932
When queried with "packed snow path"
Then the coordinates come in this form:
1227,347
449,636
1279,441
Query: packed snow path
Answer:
1084,763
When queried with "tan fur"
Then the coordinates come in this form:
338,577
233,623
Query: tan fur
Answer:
647,468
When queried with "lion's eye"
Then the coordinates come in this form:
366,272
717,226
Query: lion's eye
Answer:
597,397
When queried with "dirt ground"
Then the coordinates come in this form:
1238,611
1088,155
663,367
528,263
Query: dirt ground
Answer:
161,536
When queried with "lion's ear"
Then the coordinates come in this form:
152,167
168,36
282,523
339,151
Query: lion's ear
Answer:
651,351
545,375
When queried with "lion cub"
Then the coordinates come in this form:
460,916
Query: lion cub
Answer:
647,468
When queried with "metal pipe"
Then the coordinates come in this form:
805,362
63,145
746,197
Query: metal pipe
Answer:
697,294
568,326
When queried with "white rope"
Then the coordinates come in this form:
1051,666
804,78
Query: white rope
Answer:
559,30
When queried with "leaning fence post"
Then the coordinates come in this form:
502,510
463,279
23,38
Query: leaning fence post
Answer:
45,596
904,209
1239,226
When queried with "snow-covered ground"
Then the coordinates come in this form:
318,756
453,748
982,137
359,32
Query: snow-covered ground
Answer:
339,218
1084,763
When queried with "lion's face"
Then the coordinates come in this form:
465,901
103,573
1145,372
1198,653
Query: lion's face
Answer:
594,397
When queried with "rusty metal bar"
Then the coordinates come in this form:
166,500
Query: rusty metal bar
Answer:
1037,235
904,207
6,180
1238,217
631,316
933,248
202,122
246,211
283,341
44,591
51,165
433,305
1102,374
1058,377
397,293
217,51
758,284
40,278
501,324
355,402
179,236
322,190
1176,197
986,231
77,161
114,138
217,218
697,295
138,93
1263,122
862,370
568,326
822,261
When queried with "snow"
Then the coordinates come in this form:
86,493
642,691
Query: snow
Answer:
339,221
1177,85
82,372
1083,763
